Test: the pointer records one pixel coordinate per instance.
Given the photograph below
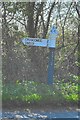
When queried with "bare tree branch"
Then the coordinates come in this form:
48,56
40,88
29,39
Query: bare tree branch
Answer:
67,13
43,24
78,10
38,13
11,19
62,25
19,21
59,7
48,20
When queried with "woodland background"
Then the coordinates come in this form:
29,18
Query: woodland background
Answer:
21,63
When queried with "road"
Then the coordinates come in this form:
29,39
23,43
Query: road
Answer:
40,116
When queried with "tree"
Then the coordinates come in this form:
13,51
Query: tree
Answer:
31,16
7,45
33,19
78,12
67,43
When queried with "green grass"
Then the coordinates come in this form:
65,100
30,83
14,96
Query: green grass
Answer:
30,91
70,91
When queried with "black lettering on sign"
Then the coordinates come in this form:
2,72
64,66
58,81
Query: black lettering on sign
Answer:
38,40
34,39
29,43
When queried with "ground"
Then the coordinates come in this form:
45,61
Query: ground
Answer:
35,107
38,111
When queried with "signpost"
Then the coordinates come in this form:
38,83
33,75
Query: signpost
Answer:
50,43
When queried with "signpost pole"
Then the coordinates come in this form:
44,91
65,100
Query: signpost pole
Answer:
51,66
52,37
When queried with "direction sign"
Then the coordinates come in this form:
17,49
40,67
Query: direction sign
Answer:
39,42
35,42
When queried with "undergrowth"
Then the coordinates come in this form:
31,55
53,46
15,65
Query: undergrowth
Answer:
30,91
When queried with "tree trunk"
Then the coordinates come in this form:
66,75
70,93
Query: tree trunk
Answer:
7,50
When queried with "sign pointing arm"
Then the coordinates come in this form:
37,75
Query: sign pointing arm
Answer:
35,42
